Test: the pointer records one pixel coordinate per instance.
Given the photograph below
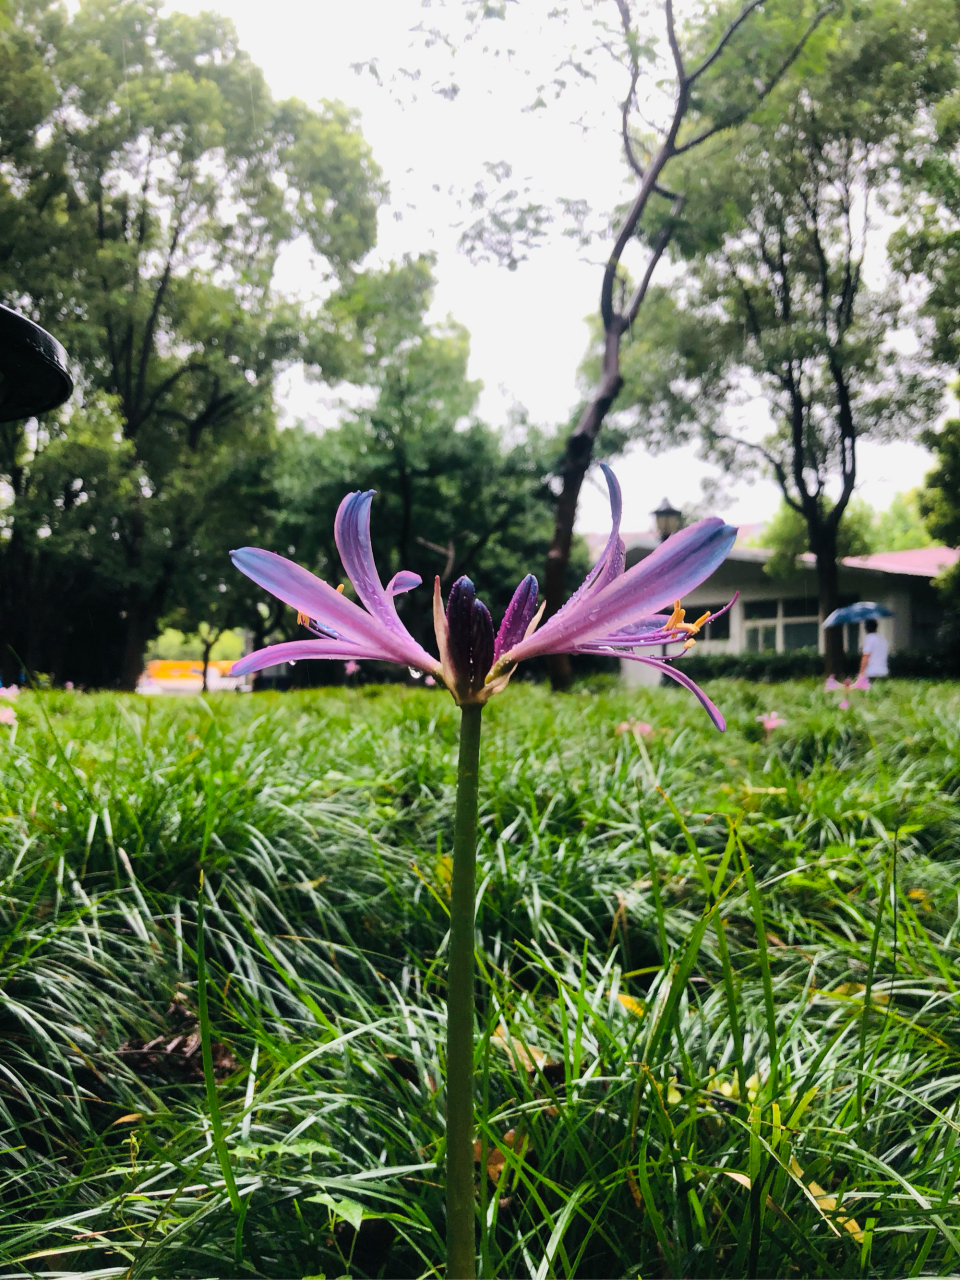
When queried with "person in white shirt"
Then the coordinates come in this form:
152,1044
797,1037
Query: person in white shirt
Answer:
875,648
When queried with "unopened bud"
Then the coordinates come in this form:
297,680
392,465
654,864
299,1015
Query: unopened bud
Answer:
470,636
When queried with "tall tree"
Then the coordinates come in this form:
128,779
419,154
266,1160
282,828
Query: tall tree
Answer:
725,66
777,304
149,183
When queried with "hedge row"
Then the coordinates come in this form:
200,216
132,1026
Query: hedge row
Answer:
771,668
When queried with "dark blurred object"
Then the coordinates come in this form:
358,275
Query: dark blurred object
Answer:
33,368
669,519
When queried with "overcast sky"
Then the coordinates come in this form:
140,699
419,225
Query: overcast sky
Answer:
527,327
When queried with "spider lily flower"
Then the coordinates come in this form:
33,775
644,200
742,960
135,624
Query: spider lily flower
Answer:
772,720
613,612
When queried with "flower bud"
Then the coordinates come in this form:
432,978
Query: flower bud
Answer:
469,637
517,618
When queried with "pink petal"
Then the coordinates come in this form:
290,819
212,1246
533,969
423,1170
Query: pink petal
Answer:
668,670
352,533
669,573
297,650
312,596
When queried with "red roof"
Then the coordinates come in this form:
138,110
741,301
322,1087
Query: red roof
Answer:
922,562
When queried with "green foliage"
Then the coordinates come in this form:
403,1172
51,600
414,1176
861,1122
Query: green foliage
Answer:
787,537
940,505
752,981
903,525
149,182
173,644
455,496
774,303
940,498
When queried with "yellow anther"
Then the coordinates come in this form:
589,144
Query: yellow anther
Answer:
675,618
302,620
693,627
688,644
340,589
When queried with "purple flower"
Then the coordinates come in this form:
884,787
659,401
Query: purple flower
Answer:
613,612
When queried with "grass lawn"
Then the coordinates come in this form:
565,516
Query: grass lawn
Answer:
718,1034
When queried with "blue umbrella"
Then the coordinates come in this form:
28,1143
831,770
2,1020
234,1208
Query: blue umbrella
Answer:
859,612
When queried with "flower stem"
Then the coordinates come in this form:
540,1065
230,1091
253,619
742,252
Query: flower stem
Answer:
461,1210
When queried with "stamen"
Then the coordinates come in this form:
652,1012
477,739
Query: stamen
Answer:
302,620
688,644
693,627
675,618
340,589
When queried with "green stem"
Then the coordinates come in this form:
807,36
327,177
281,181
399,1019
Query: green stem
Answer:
461,1211
206,1053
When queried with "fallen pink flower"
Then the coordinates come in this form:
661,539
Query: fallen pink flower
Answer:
11,691
8,715
832,683
861,682
351,668
639,728
844,704
771,721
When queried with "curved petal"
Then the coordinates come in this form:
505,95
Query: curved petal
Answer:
667,574
611,561
351,530
297,650
312,596
712,711
403,581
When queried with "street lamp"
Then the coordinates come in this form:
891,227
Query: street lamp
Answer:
668,519
33,368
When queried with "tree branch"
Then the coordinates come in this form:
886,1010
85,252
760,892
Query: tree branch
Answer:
663,239
782,70
724,40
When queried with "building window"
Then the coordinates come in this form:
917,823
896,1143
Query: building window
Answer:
780,625
800,607
760,608
801,635
761,639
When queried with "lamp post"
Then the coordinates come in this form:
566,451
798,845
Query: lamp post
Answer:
669,519
33,368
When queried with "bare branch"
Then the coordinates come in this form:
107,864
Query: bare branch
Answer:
674,45
662,240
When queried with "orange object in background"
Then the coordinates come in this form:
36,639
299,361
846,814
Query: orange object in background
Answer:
185,668
185,675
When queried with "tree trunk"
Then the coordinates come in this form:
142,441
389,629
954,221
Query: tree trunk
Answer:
823,542
576,461
134,647
207,650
